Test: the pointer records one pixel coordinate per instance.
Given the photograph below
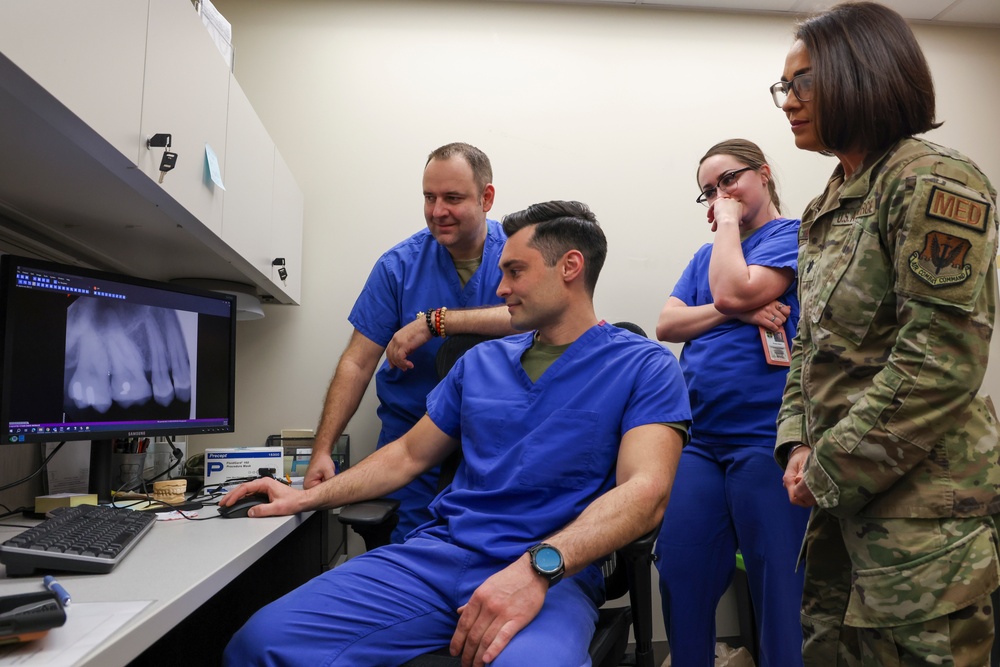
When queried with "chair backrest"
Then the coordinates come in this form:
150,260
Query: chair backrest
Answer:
629,326
453,348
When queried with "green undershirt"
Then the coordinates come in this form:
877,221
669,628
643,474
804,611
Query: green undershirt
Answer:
467,268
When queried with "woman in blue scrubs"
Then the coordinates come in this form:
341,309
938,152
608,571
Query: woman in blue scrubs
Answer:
735,309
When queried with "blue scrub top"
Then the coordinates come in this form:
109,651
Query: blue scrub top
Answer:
734,392
537,454
418,274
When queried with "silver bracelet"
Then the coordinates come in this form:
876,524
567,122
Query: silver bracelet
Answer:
794,447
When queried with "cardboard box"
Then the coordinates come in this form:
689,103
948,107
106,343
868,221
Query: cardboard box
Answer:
224,466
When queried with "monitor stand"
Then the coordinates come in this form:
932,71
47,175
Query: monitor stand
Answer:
100,470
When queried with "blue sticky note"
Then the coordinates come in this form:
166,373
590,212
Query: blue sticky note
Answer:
213,167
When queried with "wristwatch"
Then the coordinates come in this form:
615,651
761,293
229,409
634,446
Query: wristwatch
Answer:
548,562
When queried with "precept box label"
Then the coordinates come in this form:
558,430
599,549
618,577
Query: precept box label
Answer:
227,465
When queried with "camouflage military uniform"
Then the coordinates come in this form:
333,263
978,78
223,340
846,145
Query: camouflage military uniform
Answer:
898,291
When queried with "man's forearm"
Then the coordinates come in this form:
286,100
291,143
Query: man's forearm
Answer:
387,469
342,400
485,321
647,464
373,477
354,371
488,321
612,521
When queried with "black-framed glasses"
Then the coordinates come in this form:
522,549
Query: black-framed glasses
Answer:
801,85
726,182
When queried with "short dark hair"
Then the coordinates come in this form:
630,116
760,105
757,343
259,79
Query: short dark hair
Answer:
872,84
561,226
482,170
748,154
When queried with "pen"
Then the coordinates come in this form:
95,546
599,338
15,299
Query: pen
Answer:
54,586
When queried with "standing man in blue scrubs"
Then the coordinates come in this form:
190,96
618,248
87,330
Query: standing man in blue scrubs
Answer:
433,284
570,435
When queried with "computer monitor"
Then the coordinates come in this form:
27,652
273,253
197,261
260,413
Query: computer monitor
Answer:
91,355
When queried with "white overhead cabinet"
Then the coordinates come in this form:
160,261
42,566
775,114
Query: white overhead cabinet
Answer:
246,222
83,85
185,94
89,55
286,227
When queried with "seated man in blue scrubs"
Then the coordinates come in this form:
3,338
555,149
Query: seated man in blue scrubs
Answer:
449,271
570,434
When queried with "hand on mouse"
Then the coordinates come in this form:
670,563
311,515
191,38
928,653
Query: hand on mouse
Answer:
284,499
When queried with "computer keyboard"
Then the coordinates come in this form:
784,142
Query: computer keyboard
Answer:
85,538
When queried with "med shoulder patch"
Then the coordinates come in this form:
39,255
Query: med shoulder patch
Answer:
943,204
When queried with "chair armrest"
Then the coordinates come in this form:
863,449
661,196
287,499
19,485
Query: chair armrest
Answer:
373,520
638,557
368,512
641,547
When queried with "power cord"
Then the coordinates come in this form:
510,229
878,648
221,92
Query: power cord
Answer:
34,474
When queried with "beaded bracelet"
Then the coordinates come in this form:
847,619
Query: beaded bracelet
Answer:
430,323
440,322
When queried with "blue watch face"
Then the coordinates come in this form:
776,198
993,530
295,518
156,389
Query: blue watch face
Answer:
548,559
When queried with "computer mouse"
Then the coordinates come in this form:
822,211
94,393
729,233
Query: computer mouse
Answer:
240,508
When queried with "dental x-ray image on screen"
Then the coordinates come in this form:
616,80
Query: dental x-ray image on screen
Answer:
121,355
87,354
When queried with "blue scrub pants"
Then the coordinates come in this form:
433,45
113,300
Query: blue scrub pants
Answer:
396,602
724,498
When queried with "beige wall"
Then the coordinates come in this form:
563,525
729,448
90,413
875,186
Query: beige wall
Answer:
609,105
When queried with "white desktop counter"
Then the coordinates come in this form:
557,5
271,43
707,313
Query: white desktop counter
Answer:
202,580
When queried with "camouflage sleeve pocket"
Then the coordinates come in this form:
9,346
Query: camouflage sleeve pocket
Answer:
947,244
930,587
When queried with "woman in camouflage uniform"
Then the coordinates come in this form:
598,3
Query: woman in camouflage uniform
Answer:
882,430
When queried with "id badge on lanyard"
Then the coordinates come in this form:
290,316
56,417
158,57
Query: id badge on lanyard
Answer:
776,352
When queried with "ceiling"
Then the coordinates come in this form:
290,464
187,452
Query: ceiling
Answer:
968,12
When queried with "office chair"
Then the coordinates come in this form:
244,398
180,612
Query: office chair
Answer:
626,571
